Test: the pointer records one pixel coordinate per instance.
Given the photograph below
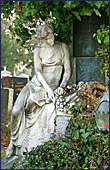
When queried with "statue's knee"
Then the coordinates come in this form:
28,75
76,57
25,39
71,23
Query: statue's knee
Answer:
15,111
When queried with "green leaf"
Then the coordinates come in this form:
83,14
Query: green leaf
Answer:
56,2
105,167
16,21
86,11
102,26
41,2
90,149
99,33
82,130
56,14
85,135
81,109
76,108
106,40
101,75
78,92
68,2
99,41
75,3
76,134
94,35
83,166
75,124
25,2
97,12
76,14
33,11
25,11
98,4
99,161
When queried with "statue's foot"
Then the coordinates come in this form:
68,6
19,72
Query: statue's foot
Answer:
5,160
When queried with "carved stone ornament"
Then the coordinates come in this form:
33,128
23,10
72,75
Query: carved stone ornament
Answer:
35,110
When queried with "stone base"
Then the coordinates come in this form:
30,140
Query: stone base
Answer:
62,120
7,163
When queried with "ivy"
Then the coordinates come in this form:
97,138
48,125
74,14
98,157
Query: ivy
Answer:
83,148
63,11
102,36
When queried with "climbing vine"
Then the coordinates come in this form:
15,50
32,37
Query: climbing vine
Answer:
58,13
102,37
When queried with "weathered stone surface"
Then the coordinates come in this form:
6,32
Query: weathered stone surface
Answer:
6,101
62,120
87,69
84,44
34,112
7,163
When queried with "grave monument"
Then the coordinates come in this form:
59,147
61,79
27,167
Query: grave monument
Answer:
43,98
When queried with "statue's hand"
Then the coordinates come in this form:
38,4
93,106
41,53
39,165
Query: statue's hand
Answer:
59,91
51,94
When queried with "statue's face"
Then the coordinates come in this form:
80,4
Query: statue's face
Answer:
50,39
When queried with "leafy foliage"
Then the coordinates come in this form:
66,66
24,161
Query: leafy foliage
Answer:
84,147
3,154
24,15
28,13
11,51
102,37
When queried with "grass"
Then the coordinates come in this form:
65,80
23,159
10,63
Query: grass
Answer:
3,154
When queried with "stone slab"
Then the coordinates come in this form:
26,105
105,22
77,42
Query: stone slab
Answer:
87,69
8,163
83,42
17,84
62,120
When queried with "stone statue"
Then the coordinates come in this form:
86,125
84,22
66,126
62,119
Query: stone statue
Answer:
33,114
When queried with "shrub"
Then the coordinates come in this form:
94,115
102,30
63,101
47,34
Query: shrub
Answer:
84,147
102,37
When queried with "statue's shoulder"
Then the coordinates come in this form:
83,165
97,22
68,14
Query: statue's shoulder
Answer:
62,45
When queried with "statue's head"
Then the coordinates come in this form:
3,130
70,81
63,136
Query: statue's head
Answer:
46,32
43,32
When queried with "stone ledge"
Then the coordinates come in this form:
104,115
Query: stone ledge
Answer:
59,113
7,163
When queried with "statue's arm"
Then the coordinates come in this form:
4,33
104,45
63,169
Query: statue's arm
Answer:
38,71
67,69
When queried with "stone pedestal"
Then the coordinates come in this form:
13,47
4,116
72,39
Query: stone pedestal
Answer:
62,120
9,162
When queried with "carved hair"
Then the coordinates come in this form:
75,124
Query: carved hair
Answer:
44,30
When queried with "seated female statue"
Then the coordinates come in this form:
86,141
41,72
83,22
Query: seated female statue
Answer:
33,114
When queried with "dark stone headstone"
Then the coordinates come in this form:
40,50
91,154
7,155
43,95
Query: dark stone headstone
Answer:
87,69
83,41
17,84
